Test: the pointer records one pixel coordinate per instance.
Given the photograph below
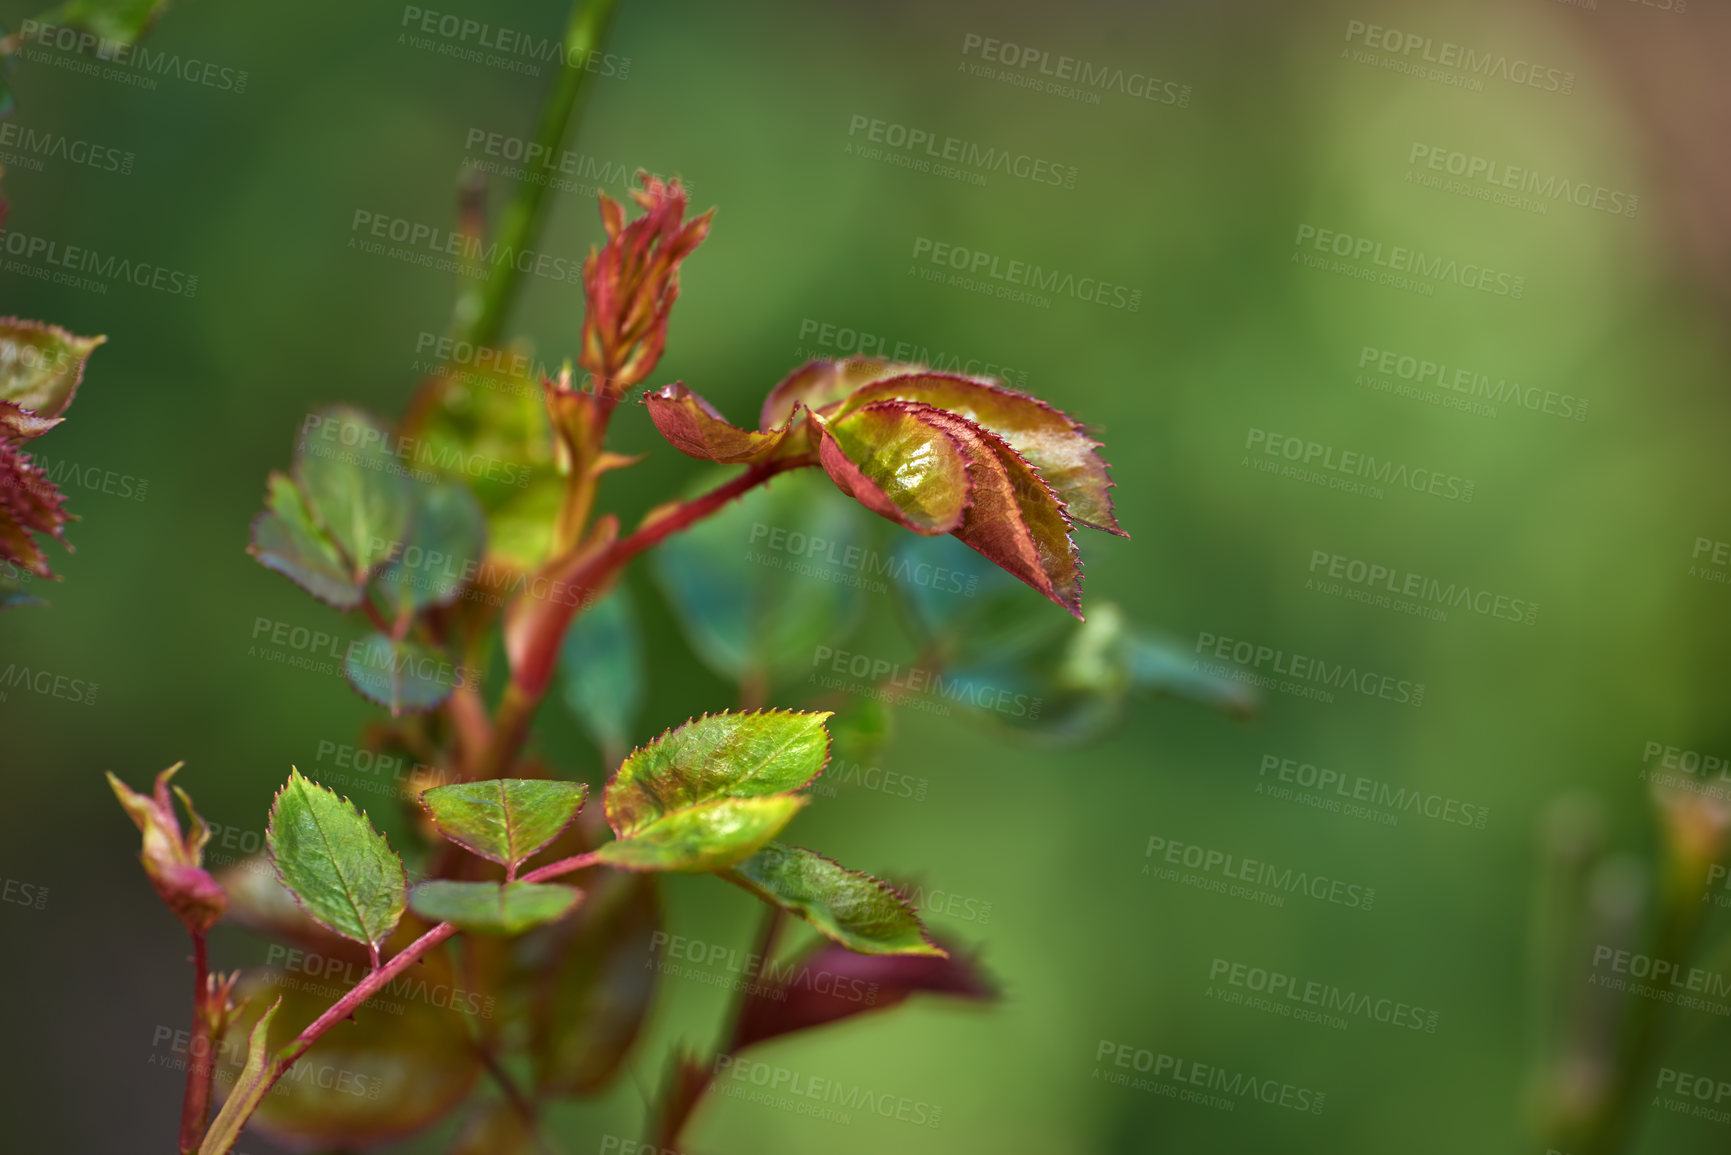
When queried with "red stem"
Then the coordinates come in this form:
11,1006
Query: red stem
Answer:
195,1105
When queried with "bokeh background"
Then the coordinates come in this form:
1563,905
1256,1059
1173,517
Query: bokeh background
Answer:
1198,207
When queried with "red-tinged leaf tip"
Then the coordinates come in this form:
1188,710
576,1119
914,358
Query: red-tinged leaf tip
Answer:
29,503
697,429
822,385
894,459
174,861
19,424
41,365
1067,458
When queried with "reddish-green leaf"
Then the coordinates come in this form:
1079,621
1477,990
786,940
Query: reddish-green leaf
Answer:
899,462
706,836
29,503
492,907
745,755
41,365
505,820
694,427
817,384
1067,459
863,913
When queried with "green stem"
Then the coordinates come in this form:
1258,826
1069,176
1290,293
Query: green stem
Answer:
481,310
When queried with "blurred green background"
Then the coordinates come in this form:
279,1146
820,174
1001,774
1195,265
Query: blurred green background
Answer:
1198,207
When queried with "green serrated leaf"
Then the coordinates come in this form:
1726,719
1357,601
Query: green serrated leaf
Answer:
353,485
340,869
717,756
862,913
400,676
505,820
285,538
442,552
707,836
767,579
897,461
601,668
492,908
41,365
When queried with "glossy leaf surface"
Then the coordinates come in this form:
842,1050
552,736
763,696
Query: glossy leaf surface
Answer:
863,913
340,869
505,820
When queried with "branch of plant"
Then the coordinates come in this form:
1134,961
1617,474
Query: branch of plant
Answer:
481,310
195,1104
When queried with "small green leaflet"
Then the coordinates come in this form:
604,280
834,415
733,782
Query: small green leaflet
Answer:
340,869
491,908
285,538
403,677
249,1090
717,756
862,913
505,820
707,836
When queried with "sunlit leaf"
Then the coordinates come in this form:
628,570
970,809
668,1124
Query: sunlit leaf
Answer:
285,538
705,836
595,992
492,907
403,677
41,365
505,820
717,756
694,427
818,384
601,667
863,913
897,461
342,871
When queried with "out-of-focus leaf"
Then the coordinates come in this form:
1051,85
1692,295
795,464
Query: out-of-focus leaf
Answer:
897,461
831,982
601,667
863,913
1068,459
29,503
249,1089
818,384
258,900
505,820
762,583
117,21
491,907
730,755
400,676
697,429
41,365
342,871
704,836
442,552
398,1065
496,1128
287,539
353,484
1161,666
594,995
